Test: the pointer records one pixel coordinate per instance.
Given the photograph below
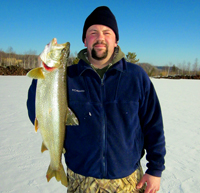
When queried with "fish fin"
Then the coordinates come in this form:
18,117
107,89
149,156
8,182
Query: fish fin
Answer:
71,118
64,150
36,73
43,148
36,125
60,175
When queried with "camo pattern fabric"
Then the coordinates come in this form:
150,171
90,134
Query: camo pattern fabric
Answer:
81,184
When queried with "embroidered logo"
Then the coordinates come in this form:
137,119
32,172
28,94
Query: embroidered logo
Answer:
75,90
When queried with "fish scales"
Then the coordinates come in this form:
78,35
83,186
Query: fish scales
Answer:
52,112
51,117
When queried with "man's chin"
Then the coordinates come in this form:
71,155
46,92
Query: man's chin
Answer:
99,54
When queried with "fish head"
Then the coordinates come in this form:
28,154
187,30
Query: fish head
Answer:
55,55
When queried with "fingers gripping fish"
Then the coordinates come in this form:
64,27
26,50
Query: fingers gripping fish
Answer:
52,111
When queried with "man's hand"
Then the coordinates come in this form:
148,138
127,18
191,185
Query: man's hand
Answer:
153,183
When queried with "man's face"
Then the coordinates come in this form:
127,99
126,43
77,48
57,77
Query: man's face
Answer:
100,41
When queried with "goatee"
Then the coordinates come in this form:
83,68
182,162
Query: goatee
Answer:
94,53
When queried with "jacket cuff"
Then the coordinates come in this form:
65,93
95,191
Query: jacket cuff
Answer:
156,173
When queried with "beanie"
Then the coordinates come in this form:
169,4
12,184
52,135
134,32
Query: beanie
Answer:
103,16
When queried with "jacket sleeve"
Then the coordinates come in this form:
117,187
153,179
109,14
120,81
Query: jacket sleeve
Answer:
152,126
31,101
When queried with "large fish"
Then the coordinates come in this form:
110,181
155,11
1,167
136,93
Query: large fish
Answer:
52,112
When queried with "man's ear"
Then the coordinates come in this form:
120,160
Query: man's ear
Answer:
116,42
85,43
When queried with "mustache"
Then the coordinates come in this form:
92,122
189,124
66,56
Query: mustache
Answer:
99,42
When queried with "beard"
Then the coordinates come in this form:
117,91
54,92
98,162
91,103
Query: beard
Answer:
94,52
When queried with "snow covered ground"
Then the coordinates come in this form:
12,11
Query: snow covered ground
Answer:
23,167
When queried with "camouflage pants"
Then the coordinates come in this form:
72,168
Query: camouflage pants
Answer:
81,184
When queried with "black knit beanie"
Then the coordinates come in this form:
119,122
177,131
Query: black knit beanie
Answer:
103,16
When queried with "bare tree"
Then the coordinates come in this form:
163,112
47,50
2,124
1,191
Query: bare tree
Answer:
33,59
30,59
10,51
184,67
195,66
179,68
188,68
169,68
1,59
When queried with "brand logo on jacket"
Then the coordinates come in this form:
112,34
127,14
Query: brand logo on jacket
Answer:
76,90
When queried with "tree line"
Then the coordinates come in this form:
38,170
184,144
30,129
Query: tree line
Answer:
29,60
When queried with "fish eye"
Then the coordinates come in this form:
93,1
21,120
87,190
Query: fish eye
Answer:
63,50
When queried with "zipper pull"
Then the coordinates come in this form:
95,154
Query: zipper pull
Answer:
102,83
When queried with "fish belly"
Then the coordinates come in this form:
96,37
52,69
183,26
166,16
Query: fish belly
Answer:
51,108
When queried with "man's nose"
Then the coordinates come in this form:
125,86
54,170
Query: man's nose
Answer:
100,36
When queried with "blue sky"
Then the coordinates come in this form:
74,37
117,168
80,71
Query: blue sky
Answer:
160,32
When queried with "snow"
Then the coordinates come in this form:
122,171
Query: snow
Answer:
23,167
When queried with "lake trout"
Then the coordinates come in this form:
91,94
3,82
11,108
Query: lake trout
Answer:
52,111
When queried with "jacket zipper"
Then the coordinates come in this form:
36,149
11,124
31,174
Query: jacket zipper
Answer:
104,130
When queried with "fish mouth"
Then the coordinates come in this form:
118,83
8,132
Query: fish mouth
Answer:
47,67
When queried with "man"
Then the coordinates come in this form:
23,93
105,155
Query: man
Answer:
119,116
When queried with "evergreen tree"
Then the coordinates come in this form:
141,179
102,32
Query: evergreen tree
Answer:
131,57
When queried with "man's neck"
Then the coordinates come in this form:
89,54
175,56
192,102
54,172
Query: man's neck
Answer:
100,63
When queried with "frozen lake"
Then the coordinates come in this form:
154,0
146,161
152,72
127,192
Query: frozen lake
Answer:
23,167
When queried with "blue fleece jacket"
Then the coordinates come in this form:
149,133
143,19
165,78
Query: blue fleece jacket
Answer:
119,117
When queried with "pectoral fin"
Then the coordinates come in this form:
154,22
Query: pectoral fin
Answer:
71,118
43,148
36,73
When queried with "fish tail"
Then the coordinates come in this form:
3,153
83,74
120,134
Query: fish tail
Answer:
58,174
